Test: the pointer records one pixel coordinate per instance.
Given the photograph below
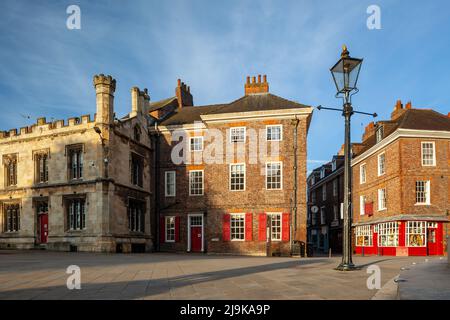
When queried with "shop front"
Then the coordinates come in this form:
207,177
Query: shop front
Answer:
400,238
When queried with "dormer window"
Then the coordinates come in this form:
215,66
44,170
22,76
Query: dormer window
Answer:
380,133
322,173
333,165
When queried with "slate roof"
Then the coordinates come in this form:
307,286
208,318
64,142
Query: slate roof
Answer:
249,103
416,119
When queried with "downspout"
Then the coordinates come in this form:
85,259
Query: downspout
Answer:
156,191
294,208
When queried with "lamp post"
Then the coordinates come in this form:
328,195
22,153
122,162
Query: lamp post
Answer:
345,75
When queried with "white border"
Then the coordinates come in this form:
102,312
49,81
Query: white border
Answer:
434,154
165,183
378,163
229,176
174,229
190,143
243,214
189,230
203,183
245,134
281,131
281,175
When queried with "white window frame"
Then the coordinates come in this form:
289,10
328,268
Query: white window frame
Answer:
333,165
281,175
362,205
323,215
229,176
388,229
193,139
367,235
273,126
203,183
427,189
166,225
416,228
384,164
434,153
362,173
281,225
382,199
240,216
166,174
322,172
238,128
379,134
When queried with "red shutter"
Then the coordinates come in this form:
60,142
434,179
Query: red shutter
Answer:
177,229
226,227
262,227
162,230
248,227
285,226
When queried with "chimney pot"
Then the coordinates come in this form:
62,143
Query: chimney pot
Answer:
259,78
264,78
179,82
408,105
253,79
248,80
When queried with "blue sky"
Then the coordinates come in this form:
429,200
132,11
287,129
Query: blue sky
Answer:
46,69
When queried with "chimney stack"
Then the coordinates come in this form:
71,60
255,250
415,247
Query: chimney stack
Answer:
183,94
104,90
399,110
369,131
256,87
140,101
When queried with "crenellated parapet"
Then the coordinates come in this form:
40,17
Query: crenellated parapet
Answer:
42,125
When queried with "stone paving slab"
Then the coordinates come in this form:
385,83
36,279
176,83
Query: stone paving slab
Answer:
42,275
425,280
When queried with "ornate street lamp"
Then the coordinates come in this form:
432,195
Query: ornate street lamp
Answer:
345,75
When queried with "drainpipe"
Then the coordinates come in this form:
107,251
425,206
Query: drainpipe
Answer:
156,191
294,208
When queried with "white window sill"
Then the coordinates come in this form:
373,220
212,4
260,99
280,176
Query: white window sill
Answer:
382,209
422,204
237,240
170,196
170,241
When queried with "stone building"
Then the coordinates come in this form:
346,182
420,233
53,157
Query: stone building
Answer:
81,184
230,178
325,196
401,184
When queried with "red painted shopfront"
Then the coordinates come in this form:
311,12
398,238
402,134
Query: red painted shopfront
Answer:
400,238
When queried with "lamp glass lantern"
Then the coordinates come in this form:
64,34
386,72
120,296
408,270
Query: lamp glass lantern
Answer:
345,72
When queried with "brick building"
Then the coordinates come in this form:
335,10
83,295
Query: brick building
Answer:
325,196
401,184
81,184
240,185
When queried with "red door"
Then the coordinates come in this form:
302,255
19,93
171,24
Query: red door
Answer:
434,240
43,223
196,239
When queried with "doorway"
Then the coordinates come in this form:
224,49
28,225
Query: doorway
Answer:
196,233
42,222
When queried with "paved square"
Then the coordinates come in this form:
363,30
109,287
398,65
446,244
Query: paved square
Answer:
42,275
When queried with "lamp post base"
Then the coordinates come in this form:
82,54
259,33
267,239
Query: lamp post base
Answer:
346,267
